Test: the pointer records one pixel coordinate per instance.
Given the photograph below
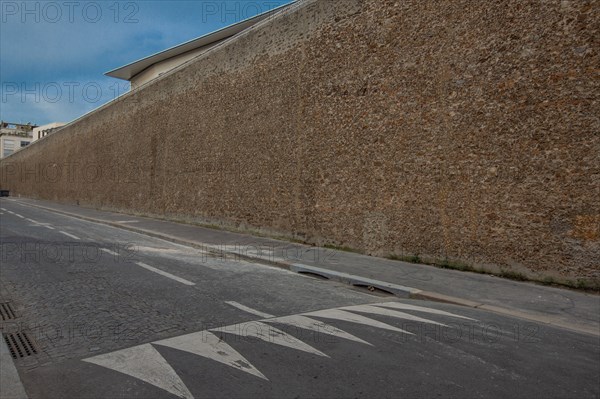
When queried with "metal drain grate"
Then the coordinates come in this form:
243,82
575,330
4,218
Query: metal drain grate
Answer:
20,345
7,312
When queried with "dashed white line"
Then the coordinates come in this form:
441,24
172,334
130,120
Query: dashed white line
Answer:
19,216
2,209
68,234
165,274
46,225
249,310
108,251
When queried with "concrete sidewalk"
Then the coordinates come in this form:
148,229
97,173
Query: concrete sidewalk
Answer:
573,310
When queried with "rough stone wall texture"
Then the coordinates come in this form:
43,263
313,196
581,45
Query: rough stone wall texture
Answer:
465,130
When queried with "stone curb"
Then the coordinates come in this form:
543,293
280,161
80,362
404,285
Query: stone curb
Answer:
397,290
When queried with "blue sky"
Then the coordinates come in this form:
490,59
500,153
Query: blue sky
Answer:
53,54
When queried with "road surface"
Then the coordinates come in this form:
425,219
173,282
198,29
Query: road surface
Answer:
93,311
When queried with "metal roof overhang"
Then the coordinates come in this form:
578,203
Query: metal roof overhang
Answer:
130,70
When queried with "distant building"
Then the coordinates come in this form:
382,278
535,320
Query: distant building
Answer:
149,68
44,130
14,136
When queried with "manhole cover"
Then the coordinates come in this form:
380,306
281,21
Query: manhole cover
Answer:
7,312
20,345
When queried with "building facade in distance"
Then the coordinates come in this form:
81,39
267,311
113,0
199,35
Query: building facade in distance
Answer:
44,130
14,136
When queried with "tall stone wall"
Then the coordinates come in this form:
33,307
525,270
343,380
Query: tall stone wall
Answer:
463,130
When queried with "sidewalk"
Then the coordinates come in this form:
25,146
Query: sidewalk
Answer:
573,310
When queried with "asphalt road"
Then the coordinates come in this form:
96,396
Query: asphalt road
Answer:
114,314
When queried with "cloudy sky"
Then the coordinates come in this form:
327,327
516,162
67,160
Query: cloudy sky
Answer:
53,54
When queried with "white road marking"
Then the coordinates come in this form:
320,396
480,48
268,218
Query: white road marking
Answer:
249,310
11,212
2,209
108,251
337,314
316,326
165,274
147,364
388,312
68,234
208,345
19,216
404,306
265,332
46,225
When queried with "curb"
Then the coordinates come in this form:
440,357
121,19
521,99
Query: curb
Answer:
398,290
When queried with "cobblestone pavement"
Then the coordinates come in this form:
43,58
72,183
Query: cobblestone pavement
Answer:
115,314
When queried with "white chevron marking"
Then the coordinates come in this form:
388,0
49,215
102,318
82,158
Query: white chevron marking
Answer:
145,363
208,345
316,326
398,305
389,312
337,314
265,332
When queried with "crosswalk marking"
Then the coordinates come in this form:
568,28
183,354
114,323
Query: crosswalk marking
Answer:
338,314
265,332
316,326
147,364
404,306
208,345
388,312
